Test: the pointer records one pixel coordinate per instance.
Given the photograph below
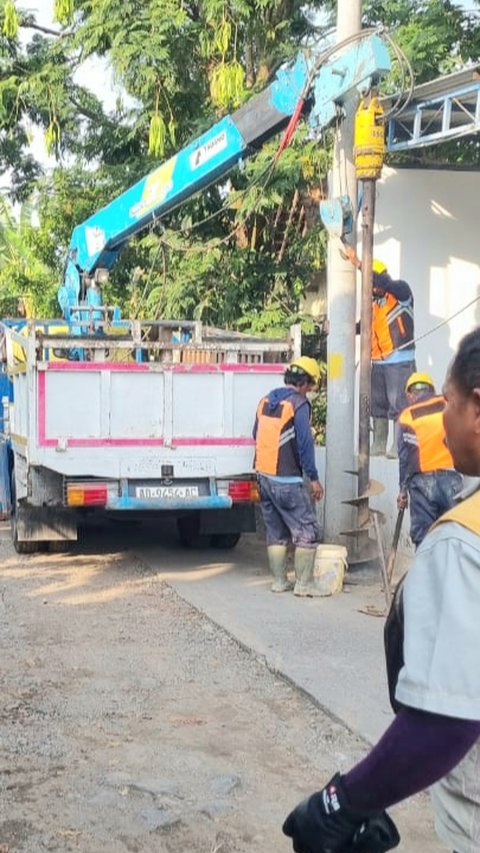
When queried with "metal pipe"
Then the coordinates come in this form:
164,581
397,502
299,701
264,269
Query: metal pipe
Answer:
368,218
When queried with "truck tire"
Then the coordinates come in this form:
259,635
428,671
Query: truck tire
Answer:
225,540
188,529
59,546
24,546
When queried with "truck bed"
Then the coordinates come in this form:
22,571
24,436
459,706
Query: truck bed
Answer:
157,420
126,420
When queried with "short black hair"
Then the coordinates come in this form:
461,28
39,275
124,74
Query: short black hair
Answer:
464,371
296,376
381,280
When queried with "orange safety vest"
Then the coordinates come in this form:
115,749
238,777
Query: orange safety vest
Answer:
276,450
392,325
424,434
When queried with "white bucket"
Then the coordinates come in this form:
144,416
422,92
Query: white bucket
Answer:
329,569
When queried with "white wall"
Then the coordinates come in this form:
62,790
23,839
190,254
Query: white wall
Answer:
427,233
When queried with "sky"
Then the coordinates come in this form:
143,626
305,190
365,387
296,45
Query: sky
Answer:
89,72
87,76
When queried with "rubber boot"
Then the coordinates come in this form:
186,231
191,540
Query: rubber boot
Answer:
380,435
277,560
304,563
392,452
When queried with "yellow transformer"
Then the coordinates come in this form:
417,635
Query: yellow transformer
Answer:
369,140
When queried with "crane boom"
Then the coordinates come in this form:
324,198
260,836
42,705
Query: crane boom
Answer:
315,88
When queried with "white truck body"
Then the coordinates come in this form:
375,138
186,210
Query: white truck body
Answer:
170,433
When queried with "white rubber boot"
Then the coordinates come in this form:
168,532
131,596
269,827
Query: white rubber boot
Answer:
392,452
277,560
304,563
380,436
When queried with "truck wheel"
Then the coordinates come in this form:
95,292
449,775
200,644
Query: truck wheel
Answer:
59,546
188,532
225,540
24,546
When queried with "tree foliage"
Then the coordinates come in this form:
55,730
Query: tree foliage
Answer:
240,257
181,65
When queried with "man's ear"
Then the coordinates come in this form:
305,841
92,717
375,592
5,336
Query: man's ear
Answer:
476,403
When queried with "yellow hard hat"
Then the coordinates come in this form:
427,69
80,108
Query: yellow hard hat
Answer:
419,379
308,365
378,267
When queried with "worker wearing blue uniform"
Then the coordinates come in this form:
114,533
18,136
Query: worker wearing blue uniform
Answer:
426,470
284,454
393,351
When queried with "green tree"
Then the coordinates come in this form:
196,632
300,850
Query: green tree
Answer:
23,275
240,260
184,64
438,36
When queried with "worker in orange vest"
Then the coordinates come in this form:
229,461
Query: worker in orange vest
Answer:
284,455
427,474
393,350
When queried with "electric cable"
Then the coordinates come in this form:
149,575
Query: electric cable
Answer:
438,325
403,63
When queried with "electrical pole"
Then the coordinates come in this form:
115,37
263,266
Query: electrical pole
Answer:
341,300
369,152
368,218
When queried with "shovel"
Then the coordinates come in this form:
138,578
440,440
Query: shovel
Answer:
393,550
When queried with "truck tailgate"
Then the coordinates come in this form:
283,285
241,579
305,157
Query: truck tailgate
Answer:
127,419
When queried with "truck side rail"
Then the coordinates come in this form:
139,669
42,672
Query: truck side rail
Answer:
146,341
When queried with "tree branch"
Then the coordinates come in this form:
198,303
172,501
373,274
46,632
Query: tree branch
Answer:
32,25
95,117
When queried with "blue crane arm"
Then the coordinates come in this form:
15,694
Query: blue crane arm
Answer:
97,242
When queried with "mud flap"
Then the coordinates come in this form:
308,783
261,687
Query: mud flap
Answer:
44,524
238,519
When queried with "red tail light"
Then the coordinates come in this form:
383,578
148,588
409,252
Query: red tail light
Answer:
86,494
243,490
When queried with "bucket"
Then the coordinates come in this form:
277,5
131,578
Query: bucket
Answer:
329,568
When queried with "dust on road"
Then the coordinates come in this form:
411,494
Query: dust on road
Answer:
129,722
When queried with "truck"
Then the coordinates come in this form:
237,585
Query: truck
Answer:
104,415
136,426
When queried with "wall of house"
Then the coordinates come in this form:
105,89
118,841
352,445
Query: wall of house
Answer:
426,232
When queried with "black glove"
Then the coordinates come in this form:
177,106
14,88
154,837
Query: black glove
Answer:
324,823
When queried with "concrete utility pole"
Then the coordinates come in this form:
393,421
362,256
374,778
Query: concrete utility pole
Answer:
341,280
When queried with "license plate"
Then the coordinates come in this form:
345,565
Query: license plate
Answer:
155,492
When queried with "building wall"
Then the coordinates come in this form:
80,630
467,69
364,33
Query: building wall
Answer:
426,232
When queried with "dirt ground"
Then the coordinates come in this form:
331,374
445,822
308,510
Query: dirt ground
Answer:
129,722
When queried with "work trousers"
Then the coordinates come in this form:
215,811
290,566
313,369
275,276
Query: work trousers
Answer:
431,495
288,513
388,388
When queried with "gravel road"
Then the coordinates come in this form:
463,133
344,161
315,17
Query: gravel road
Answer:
130,722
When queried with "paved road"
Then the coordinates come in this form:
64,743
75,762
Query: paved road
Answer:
326,646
